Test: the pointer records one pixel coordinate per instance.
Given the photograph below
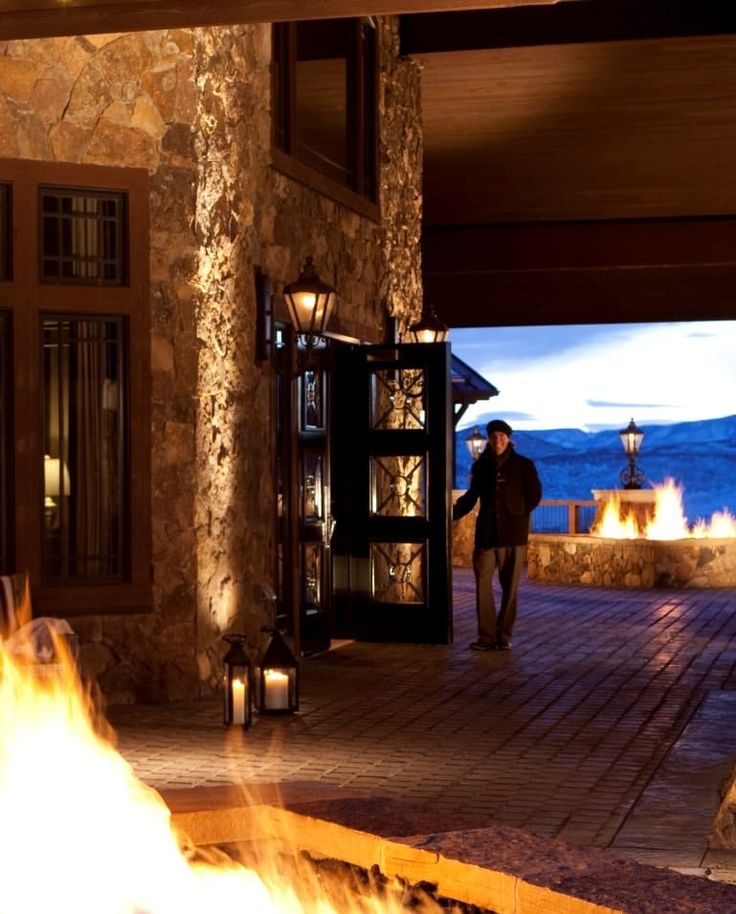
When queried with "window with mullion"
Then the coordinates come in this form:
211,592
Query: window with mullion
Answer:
325,99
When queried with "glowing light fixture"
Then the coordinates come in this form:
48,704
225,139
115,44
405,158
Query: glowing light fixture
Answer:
277,678
429,329
475,442
238,689
310,302
631,439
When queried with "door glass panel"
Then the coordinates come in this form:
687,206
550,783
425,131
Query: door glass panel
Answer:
312,400
398,398
312,556
83,448
312,500
398,485
398,572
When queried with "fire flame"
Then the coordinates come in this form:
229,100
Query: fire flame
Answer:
80,834
667,521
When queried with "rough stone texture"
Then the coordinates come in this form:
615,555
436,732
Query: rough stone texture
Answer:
193,108
583,559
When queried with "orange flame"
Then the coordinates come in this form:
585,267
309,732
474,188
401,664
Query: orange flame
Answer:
667,522
80,834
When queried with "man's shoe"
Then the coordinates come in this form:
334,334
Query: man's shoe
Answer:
503,646
482,646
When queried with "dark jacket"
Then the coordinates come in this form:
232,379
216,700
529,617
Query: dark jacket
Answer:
509,490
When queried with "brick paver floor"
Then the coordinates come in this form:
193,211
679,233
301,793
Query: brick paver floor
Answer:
566,735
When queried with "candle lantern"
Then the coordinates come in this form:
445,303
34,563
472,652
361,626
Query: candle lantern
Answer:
238,684
277,678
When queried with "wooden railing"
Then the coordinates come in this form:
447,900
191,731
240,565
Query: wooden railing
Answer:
563,516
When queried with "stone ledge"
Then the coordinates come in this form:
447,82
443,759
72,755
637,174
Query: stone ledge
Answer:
600,562
499,868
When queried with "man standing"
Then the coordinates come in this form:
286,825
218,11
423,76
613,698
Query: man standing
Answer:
509,489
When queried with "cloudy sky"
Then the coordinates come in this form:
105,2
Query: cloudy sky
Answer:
600,376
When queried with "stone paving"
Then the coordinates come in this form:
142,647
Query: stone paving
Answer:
609,724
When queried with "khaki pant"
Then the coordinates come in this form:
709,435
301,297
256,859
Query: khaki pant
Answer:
509,561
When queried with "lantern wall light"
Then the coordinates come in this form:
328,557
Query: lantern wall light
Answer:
310,302
631,439
238,685
475,442
429,329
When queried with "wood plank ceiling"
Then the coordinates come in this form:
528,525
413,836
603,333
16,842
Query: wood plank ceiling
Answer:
571,178
580,156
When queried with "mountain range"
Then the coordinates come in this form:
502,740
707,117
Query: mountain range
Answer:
700,456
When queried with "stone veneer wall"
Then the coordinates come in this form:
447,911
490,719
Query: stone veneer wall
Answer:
193,108
595,561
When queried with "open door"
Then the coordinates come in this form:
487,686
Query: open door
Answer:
391,438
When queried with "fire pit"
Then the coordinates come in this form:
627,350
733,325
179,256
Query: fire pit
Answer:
640,539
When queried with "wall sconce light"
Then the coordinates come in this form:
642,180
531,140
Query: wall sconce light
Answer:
277,678
238,684
475,442
310,302
631,439
429,329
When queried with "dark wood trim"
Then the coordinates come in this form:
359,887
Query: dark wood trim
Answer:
570,22
87,17
28,300
98,599
322,185
582,272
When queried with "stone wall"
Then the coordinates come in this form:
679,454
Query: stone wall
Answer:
602,562
192,107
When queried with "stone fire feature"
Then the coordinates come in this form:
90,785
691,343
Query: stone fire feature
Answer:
600,562
498,869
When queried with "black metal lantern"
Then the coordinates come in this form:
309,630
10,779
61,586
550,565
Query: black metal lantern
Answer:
475,442
238,688
631,439
310,302
277,678
429,329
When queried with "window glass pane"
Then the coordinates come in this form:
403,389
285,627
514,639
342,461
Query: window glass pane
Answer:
6,506
4,232
83,472
398,572
369,58
82,237
321,96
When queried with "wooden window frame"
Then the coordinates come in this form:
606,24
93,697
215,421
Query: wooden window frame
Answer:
362,124
29,299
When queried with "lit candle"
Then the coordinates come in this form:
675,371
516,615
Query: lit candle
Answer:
276,690
238,701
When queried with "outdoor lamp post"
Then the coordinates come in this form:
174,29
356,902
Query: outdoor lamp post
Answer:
310,302
238,687
475,442
631,438
277,678
429,329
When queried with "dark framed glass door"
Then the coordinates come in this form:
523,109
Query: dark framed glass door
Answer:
391,443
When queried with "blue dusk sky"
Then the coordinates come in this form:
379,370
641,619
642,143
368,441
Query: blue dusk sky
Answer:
595,377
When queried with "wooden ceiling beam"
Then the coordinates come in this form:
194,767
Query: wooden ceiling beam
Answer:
581,273
53,18
565,22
